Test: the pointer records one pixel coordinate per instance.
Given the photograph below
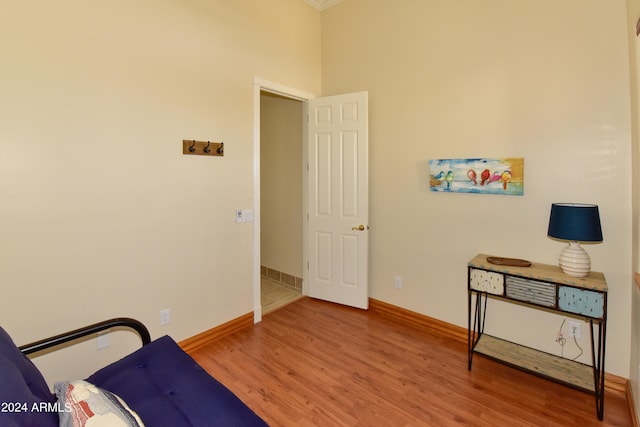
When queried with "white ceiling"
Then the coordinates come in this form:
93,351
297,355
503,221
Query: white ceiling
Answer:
322,4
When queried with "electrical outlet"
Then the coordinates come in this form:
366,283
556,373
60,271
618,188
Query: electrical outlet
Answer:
397,282
103,341
165,316
574,329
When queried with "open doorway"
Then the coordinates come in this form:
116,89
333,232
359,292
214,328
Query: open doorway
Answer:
349,108
259,86
281,204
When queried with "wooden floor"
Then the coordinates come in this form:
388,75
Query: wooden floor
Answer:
314,363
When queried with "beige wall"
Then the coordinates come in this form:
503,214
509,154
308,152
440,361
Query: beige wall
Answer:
102,216
634,56
100,213
543,80
281,184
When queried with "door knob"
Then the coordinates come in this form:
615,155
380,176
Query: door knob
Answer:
359,228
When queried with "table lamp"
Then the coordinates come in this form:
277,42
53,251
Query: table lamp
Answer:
575,222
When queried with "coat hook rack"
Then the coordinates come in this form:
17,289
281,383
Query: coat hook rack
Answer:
202,148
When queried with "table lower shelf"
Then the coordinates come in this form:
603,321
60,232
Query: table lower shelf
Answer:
565,371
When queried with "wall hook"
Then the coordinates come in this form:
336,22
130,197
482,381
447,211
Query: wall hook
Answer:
202,148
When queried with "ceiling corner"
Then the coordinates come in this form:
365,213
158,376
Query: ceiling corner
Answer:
323,4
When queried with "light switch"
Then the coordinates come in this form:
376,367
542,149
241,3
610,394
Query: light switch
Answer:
244,215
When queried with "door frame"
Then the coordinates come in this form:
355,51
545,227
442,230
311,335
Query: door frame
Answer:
260,85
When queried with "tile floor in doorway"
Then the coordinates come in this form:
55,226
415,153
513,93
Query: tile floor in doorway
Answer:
274,295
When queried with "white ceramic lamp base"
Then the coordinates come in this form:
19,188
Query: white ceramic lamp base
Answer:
574,261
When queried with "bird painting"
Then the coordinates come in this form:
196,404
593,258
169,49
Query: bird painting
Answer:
478,175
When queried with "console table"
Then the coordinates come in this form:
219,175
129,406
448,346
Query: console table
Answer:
544,287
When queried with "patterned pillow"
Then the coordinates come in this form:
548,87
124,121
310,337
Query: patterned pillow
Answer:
83,404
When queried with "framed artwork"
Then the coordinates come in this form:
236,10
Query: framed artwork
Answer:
485,176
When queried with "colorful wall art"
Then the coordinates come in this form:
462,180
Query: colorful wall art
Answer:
486,176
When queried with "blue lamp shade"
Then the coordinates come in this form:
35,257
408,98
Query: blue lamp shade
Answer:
575,222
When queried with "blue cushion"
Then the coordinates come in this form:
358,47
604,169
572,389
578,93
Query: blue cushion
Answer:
166,387
25,398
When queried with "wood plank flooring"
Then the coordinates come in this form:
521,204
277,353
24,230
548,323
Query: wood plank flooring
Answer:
314,363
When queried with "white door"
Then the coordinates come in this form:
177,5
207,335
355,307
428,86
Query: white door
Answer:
338,234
